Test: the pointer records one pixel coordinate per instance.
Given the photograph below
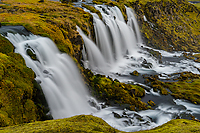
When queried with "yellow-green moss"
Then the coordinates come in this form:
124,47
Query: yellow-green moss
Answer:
113,91
186,89
186,86
195,57
90,124
5,46
151,103
134,73
16,89
52,19
74,124
197,5
172,25
167,24
176,126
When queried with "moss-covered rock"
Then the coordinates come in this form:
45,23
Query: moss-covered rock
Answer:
109,90
170,25
134,73
16,91
185,86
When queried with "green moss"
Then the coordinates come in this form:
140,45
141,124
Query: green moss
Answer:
186,86
151,103
4,119
74,124
134,73
169,27
176,126
50,19
195,57
174,22
88,124
113,91
188,89
5,47
197,5
16,88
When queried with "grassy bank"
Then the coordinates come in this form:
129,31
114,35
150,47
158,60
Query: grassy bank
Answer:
91,124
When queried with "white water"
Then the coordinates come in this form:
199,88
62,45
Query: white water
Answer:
127,48
66,94
58,75
129,55
63,87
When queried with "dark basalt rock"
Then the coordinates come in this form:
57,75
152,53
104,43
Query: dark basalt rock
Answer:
146,64
41,1
14,29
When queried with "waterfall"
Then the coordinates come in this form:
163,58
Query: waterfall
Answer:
124,42
57,74
103,39
132,22
120,44
117,43
114,38
94,58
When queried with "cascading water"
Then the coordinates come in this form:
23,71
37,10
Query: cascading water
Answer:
132,22
125,41
57,74
130,54
114,39
63,87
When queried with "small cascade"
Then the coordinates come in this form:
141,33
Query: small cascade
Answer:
57,74
114,38
103,39
131,54
122,41
132,22
93,59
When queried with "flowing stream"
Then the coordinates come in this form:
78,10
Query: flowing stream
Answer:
118,50
123,41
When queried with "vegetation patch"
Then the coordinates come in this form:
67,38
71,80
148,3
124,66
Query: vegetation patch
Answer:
82,123
169,25
50,19
185,86
176,126
111,90
16,91
88,124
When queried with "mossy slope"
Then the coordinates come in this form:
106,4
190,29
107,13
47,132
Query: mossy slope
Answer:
52,19
176,126
172,24
19,94
91,124
16,91
82,123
